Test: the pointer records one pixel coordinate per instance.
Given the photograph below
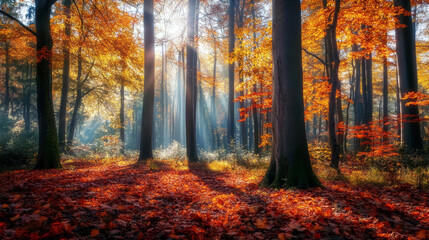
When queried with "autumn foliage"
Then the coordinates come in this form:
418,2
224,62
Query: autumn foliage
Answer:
166,199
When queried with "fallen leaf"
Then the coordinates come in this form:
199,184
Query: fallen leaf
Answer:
261,223
94,232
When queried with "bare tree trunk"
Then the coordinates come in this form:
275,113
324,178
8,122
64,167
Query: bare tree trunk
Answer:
290,162
48,155
149,83
406,52
7,81
231,37
370,103
334,76
27,99
213,101
78,101
122,117
385,97
191,81
66,76
163,115
256,122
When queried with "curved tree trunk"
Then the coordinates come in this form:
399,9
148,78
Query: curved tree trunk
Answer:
149,83
290,163
48,153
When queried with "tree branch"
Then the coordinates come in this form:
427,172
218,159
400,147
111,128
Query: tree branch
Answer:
19,22
314,55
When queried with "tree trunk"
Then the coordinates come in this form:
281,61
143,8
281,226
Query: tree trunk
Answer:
290,162
66,75
149,83
7,81
231,69
398,105
122,117
213,101
191,81
357,99
27,99
243,129
370,103
78,101
256,124
406,52
48,153
385,98
335,148
163,115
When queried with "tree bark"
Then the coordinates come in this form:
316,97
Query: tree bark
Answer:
122,117
256,124
290,162
385,98
370,102
7,80
163,110
213,100
149,83
66,76
78,102
231,72
335,148
406,52
48,154
191,81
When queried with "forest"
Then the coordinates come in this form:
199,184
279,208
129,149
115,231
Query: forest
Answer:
214,119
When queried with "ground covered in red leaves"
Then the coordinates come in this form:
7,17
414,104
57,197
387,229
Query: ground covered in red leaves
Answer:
163,202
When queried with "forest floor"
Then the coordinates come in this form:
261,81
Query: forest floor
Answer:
171,200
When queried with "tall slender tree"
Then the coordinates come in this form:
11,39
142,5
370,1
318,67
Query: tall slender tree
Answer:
332,35
191,81
231,37
407,69
149,83
290,162
66,75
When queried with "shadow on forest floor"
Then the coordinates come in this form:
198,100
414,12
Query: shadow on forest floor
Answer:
159,200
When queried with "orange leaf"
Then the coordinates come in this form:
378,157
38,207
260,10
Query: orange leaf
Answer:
13,219
261,223
94,232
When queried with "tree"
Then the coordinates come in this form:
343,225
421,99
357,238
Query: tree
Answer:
149,83
191,81
48,155
332,35
231,40
290,162
66,76
407,68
